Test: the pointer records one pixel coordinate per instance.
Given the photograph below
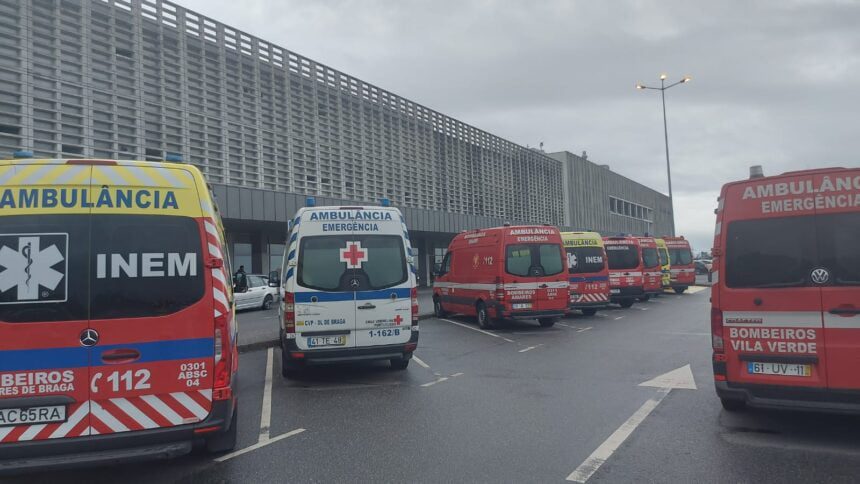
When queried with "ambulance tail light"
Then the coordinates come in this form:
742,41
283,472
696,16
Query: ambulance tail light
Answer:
223,360
414,294
92,162
717,330
290,314
500,290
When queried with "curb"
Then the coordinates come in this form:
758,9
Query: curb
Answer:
271,343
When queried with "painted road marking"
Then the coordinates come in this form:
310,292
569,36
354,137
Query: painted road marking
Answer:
619,317
441,379
420,362
266,413
529,348
477,329
695,289
565,325
259,445
641,308
681,378
582,330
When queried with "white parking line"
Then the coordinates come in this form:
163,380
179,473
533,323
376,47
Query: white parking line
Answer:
477,329
438,380
641,308
529,348
619,317
266,413
582,330
258,445
565,325
420,362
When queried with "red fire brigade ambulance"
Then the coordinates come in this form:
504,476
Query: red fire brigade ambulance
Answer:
652,270
625,270
683,271
118,333
514,272
785,314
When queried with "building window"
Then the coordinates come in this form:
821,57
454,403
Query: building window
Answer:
242,256
629,209
276,256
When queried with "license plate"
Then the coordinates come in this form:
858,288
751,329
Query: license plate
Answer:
521,305
615,291
32,415
782,369
318,341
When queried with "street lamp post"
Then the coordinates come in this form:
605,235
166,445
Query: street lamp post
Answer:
662,90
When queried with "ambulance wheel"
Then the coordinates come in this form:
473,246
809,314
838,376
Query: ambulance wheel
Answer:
267,303
732,405
288,371
546,322
645,297
484,321
225,441
589,311
680,290
438,311
399,363
627,303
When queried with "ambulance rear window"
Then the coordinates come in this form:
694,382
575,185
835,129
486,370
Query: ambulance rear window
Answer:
839,247
650,257
622,256
333,262
585,260
681,257
770,253
533,260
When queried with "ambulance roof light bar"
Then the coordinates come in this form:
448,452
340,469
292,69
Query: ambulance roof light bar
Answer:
385,202
174,157
756,172
19,154
310,202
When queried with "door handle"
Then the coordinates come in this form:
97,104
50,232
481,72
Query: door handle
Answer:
543,286
845,311
367,306
120,356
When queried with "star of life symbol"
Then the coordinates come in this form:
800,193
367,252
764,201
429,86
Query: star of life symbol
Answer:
353,255
572,260
31,268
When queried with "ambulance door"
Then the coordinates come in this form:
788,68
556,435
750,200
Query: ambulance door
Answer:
553,287
326,285
521,274
44,302
383,310
151,300
838,275
771,310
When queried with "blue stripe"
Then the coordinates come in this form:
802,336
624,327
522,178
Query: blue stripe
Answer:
589,279
289,273
291,254
400,292
294,237
78,357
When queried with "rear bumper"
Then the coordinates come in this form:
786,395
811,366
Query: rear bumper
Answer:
791,398
108,449
586,305
501,313
628,292
345,355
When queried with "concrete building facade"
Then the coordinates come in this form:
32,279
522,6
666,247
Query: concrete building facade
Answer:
148,79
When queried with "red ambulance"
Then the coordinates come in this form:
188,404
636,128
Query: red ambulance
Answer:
683,271
510,272
652,270
118,333
626,282
785,316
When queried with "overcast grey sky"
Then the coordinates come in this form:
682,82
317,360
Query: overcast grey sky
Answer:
774,83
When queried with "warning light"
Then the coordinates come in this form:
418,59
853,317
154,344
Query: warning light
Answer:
22,154
385,202
310,202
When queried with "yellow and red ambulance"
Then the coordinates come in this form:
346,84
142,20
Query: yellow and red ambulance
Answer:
588,271
785,316
118,332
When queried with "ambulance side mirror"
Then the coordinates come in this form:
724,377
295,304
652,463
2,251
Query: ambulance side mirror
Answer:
274,279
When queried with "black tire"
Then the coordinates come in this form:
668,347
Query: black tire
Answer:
288,371
680,290
399,363
589,311
546,322
438,310
626,303
484,320
645,297
267,301
732,405
224,441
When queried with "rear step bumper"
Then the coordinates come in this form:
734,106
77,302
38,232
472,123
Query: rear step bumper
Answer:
628,292
791,398
586,305
107,449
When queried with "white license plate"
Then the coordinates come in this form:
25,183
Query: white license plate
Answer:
615,291
318,341
32,415
782,369
521,305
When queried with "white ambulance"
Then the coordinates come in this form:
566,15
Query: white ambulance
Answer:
348,288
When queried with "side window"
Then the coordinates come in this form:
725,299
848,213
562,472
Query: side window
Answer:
446,263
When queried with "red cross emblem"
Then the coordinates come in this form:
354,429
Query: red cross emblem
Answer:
353,255
398,319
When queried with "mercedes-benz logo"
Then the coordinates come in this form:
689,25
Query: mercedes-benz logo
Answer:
820,275
354,282
89,337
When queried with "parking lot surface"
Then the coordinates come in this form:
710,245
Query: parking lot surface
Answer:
517,403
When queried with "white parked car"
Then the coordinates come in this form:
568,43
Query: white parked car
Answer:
259,294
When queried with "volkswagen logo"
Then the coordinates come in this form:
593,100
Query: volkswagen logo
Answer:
89,337
820,275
